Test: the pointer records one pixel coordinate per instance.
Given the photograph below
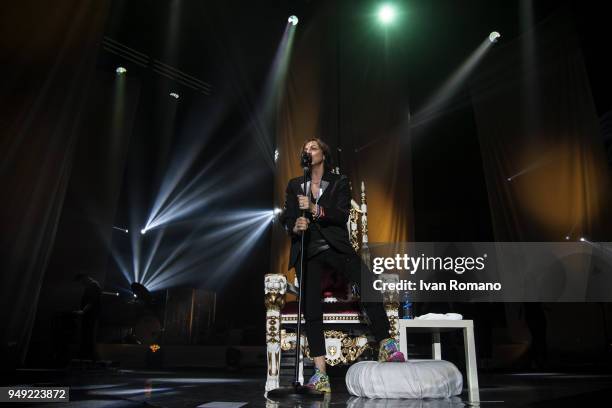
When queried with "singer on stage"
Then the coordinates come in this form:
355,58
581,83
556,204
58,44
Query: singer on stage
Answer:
327,245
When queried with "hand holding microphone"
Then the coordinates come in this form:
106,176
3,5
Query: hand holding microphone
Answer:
301,225
303,202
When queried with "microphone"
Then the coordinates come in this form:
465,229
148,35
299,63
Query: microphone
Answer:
306,160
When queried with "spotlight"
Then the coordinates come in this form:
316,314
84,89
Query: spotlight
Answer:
143,231
278,211
567,237
121,229
141,292
121,70
174,95
386,14
582,239
293,20
509,179
276,154
494,36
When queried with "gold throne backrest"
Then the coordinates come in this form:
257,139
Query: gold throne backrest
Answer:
357,224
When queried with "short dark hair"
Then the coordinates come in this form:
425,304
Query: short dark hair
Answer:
329,161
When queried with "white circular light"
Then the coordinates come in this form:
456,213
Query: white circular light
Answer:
142,231
567,237
494,36
121,70
582,239
386,14
174,95
293,20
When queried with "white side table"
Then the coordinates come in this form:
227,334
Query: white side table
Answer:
435,327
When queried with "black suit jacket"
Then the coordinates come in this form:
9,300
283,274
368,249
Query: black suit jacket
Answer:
336,202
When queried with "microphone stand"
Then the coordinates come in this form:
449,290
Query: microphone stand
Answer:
298,338
297,391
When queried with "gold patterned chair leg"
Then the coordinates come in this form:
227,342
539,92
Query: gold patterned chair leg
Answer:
391,302
275,286
340,348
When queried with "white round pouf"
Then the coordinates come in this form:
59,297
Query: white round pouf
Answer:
413,379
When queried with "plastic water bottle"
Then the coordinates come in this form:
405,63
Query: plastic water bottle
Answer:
407,307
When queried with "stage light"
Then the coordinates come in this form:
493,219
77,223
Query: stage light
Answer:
293,20
278,211
437,104
567,237
121,70
174,95
189,202
120,263
494,36
582,239
121,229
509,179
238,231
276,154
143,231
386,14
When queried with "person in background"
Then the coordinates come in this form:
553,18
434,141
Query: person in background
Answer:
90,314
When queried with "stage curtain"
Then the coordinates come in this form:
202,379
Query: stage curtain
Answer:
537,125
48,52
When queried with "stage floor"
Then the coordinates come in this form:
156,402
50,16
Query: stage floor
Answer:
119,388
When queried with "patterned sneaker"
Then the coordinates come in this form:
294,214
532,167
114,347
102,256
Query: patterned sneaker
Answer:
319,382
389,352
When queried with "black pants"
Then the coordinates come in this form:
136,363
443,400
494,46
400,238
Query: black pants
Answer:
350,265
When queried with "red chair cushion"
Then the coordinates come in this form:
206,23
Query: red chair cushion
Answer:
334,284
337,307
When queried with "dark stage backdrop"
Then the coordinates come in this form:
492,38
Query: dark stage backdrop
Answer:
48,52
537,123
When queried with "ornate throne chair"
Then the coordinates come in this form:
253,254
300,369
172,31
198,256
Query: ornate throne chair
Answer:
344,338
